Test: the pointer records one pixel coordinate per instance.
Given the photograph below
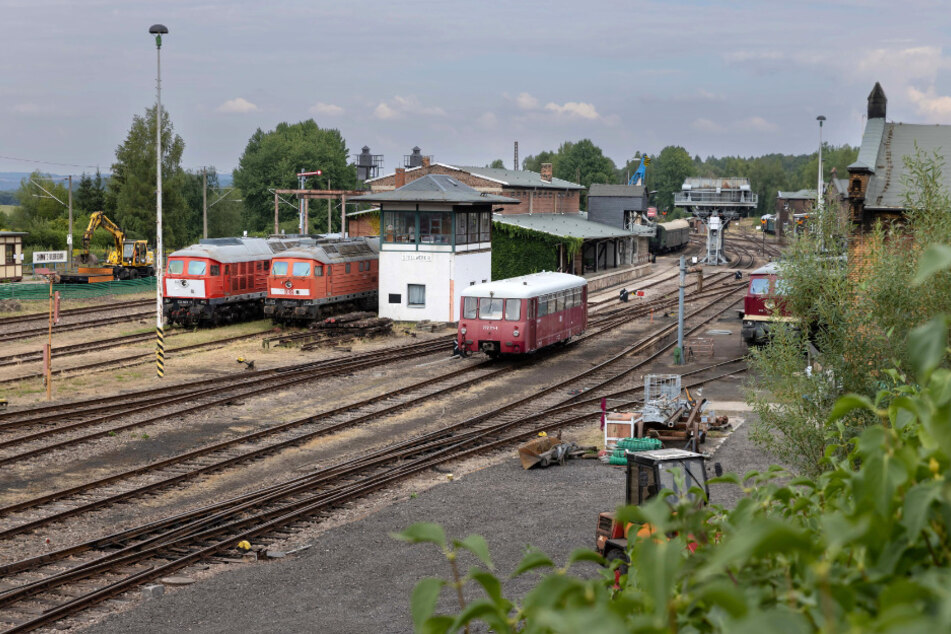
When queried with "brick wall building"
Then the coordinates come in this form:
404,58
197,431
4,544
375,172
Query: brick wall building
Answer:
537,193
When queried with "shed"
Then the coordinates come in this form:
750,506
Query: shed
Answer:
11,256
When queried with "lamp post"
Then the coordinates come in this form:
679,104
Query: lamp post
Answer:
819,192
158,30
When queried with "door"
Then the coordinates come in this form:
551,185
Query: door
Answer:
530,324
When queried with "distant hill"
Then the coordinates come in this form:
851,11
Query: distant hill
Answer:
10,181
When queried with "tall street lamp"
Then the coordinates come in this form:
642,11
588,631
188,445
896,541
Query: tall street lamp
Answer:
819,193
158,30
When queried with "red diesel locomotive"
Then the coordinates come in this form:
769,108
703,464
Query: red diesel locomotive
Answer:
311,281
219,280
522,314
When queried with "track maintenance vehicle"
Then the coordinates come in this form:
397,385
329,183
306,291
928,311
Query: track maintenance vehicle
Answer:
128,260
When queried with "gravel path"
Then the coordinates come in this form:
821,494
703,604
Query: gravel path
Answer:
355,578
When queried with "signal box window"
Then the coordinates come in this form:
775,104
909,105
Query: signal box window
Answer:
175,267
196,267
301,269
513,309
318,270
469,307
759,286
279,268
416,294
215,269
490,308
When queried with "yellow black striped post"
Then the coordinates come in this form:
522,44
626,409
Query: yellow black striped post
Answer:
160,352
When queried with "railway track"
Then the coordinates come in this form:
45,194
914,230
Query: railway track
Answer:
71,312
57,328
131,360
115,563
81,348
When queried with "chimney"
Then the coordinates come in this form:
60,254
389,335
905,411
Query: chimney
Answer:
546,172
425,161
877,102
400,178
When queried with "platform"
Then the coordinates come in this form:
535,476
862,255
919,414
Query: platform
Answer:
615,277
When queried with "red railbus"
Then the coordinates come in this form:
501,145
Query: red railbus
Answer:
763,305
522,314
312,281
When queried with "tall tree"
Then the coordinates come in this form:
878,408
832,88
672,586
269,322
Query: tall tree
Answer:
666,174
36,204
132,186
90,194
273,159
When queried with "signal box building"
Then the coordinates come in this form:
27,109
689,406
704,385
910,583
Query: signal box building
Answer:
11,256
435,240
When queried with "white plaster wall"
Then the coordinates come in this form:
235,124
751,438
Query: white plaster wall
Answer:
435,271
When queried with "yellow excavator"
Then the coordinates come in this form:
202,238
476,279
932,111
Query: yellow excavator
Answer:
128,260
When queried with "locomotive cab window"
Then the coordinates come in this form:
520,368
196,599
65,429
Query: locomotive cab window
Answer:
490,308
215,270
196,267
782,287
301,269
279,268
759,286
175,267
318,270
469,307
513,309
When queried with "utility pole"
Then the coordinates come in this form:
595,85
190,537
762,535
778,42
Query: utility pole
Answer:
69,236
204,203
680,310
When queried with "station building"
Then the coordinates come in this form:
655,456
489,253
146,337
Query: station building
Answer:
11,256
435,240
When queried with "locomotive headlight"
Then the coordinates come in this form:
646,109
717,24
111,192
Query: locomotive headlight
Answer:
515,333
463,330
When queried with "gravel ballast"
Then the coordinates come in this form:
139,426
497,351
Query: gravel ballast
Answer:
355,578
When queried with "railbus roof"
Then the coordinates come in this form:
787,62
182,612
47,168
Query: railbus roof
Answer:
526,285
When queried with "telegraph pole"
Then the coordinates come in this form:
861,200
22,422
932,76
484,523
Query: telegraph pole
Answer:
69,236
204,203
157,30
680,309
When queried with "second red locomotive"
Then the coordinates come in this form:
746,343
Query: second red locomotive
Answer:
522,314
310,281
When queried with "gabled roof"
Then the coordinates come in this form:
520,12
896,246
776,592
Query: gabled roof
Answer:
436,188
509,178
899,140
802,194
616,191
569,226
871,141
518,178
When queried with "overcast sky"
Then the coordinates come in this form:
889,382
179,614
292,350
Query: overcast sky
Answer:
463,80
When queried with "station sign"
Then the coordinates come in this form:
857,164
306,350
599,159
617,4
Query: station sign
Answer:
48,257
652,212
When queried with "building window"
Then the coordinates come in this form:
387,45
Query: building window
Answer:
10,257
435,227
416,295
396,298
400,226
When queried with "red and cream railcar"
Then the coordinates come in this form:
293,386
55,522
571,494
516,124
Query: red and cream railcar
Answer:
522,314
311,281
219,280
763,306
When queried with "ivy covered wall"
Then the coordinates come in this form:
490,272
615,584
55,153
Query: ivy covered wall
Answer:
519,251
